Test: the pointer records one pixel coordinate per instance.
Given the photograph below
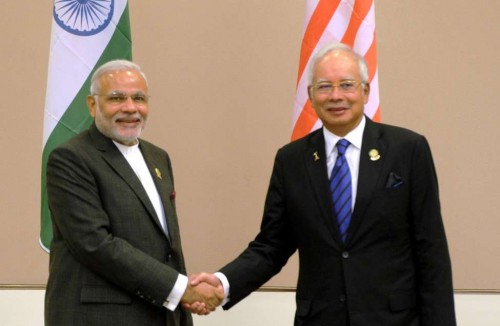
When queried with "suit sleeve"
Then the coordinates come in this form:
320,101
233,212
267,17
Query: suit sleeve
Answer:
431,250
83,225
269,251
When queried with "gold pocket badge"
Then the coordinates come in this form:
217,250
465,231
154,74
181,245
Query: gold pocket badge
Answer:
374,155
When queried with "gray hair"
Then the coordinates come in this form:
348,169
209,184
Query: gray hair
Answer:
338,47
115,65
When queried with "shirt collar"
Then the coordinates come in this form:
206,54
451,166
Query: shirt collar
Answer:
355,137
126,150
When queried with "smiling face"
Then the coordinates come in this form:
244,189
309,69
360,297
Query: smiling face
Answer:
340,111
120,117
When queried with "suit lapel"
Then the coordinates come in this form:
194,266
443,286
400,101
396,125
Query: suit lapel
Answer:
160,171
119,164
369,171
315,162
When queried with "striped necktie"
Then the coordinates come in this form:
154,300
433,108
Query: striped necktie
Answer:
340,187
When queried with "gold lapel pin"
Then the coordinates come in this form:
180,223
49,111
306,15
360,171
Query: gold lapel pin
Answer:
158,173
374,154
316,156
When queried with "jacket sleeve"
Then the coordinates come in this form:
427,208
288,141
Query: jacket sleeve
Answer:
431,250
270,250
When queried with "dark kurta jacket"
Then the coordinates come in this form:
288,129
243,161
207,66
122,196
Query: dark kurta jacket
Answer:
110,262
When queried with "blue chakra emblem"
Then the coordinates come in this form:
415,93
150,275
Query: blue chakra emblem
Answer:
83,17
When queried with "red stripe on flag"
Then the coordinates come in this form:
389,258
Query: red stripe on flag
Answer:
315,28
305,122
376,116
359,12
371,59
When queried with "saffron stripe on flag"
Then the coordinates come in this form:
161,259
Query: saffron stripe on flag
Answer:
351,22
76,51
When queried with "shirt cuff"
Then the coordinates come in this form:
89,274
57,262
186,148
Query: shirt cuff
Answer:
225,285
177,292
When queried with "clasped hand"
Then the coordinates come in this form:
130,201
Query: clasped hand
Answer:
203,295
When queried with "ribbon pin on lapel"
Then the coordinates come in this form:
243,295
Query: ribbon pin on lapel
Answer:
158,173
374,155
316,156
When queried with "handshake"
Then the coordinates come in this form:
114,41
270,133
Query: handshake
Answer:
203,294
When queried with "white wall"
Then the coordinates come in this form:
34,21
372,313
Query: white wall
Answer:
25,308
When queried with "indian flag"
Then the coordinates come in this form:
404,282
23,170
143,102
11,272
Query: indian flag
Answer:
85,34
351,22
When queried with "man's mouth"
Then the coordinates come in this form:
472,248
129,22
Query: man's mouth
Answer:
337,109
127,121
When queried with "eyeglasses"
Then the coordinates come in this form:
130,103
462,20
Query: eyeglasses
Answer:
345,86
116,98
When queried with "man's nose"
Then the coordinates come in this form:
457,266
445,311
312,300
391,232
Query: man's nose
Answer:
129,105
336,93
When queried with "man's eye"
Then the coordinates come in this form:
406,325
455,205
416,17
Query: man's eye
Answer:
116,98
347,85
324,87
139,98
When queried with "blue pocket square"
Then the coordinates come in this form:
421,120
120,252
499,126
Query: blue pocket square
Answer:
394,181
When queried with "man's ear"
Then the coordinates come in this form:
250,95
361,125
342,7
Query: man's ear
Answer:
91,105
309,93
366,92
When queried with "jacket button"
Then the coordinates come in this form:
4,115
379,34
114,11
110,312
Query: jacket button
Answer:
342,298
345,254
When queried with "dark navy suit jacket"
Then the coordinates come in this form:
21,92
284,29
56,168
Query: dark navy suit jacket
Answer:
393,270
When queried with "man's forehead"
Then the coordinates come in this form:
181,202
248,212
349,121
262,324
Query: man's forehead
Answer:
122,73
118,79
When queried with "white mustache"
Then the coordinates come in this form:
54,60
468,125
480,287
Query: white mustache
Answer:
129,118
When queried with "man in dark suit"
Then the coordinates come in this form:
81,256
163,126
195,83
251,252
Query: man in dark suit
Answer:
116,256
382,259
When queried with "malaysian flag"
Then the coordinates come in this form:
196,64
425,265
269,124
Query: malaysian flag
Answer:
351,22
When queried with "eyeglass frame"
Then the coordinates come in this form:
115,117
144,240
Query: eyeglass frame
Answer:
338,84
123,97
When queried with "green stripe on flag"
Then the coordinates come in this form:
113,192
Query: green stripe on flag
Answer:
76,118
